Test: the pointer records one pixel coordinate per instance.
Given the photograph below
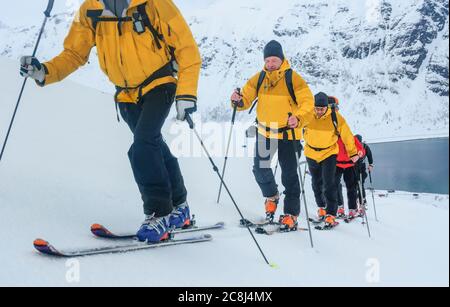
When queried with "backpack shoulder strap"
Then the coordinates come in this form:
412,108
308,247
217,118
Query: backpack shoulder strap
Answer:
290,85
334,118
94,15
261,78
146,20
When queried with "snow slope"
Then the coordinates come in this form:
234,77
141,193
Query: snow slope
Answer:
65,167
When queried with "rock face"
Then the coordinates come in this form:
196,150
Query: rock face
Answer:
387,60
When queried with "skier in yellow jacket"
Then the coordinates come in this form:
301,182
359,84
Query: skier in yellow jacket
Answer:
148,52
280,91
322,132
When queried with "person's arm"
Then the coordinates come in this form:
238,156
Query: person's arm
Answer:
304,111
178,36
77,47
369,156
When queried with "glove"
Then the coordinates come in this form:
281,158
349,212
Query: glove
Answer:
236,99
185,107
30,67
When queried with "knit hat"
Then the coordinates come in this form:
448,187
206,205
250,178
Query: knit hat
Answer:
321,100
273,48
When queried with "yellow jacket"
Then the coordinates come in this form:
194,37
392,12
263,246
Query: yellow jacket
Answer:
320,133
275,102
129,59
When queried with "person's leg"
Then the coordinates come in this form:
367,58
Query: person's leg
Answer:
315,169
329,183
265,150
289,176
340,196
363,183
351,184
179,192
147,154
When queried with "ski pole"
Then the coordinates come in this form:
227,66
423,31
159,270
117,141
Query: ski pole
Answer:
361,200
373,196
233,118
192,126
47,15
302,184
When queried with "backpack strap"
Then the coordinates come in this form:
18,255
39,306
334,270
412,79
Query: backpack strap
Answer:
290,84
262,76
334,118
146,20
94,15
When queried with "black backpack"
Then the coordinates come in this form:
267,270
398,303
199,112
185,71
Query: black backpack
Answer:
289,84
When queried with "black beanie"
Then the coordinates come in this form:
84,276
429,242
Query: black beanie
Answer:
273,48
359,137
321,100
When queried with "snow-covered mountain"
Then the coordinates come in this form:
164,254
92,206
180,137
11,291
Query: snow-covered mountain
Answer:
387,60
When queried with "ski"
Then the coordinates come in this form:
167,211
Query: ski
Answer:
255,224
46,248
326,227
264,231
103,232
316,222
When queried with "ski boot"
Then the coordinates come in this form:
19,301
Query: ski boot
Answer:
180,218
341,212
353,214
288,223
271,205
330,222
154,229
321,214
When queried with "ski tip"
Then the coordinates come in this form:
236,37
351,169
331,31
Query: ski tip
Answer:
208,236
274,266
100,231
40,243
44,247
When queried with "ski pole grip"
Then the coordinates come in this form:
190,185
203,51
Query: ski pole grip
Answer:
49,8
292,130
238,90
190,121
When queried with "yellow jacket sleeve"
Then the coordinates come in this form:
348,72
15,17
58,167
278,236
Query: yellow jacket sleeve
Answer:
178,36
304,111
77,47
347,136
249,93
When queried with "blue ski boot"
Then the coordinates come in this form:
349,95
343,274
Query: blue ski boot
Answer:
154,229
180,217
